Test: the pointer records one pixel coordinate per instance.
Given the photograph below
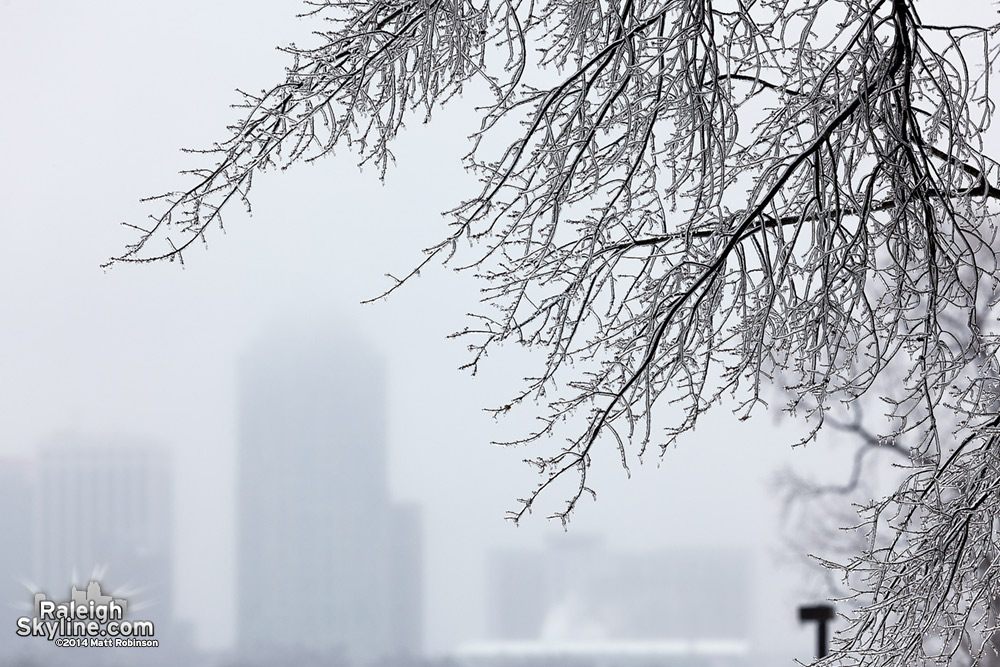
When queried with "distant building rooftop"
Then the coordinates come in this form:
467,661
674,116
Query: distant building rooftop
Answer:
604,653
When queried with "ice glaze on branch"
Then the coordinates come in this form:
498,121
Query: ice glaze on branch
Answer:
690,199
605,229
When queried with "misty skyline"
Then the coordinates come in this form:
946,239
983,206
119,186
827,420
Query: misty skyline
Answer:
153,351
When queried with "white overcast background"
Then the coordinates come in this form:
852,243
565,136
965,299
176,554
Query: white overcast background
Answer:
98,98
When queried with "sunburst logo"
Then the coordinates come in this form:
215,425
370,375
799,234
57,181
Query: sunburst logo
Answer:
88,618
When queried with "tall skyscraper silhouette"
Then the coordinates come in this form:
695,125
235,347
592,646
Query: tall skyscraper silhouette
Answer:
326,562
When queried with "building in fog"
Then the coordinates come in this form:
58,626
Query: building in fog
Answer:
579,591
16,534
103,511
326,562
613,653
84,518
578,604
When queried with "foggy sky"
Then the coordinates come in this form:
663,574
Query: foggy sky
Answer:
99,97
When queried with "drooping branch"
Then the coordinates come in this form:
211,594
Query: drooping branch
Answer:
702,198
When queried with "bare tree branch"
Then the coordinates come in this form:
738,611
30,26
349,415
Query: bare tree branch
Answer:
698,198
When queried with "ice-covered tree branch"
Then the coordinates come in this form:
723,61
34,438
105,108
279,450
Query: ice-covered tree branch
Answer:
681,201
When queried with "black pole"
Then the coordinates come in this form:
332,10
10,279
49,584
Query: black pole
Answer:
822,614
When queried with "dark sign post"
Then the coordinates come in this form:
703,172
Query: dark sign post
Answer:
822,614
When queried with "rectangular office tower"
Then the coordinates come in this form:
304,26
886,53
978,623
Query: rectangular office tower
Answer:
327,563
104,513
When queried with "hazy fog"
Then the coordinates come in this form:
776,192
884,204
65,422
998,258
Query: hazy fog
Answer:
99,97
